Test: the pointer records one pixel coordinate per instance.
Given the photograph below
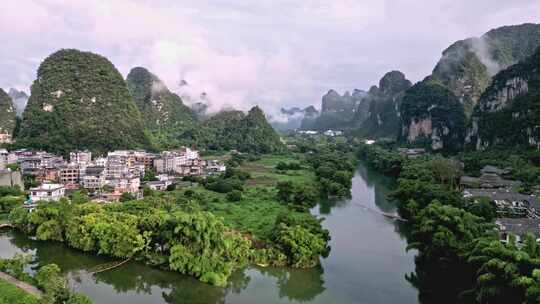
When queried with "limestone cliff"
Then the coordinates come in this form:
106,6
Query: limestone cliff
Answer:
508,112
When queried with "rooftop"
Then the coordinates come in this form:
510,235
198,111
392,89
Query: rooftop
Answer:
519,226
48,187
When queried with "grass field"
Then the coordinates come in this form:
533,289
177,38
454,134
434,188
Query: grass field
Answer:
256,212
11,294
263,172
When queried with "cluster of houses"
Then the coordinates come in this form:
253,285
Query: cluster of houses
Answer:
107,177
330,133
518,213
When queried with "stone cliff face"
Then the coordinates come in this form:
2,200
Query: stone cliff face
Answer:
294,118
432,116
337,111
466,67
383,103
508,113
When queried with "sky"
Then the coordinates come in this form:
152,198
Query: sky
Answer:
272,53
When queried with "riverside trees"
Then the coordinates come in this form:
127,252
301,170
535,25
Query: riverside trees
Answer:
460,258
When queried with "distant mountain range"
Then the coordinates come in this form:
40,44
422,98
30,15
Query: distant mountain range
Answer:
481,92
80,101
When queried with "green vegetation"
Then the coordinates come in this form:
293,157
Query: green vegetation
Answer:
11,294
80,100
460,257
501,123
47,278
233,130
207,231
7,113
429,100
163,112
10,197
382,117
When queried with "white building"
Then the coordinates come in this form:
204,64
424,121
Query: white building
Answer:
80,157
94,178
159,185
47,192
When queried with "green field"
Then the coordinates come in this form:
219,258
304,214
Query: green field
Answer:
11,294
255,214
263,172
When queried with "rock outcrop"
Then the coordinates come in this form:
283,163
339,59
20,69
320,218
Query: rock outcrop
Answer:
383,103
508,113
432,116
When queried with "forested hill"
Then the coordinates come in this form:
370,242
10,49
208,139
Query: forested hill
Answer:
378,113
508,113
80,101
229,130
465,69
162,110
7,113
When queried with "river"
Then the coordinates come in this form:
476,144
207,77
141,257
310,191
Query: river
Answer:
367,263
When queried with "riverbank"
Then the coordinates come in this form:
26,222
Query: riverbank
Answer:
367,264
461,258
29,289
14,294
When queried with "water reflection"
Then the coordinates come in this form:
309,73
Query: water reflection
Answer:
367,263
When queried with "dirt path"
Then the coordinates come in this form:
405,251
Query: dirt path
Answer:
22,285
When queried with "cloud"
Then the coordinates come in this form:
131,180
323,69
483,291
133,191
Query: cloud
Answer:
271,53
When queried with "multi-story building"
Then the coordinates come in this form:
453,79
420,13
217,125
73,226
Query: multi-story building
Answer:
129,184
69,174
94,178
80,157
47,192
116,170
184,161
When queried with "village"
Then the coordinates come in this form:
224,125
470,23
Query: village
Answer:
105,178
517,213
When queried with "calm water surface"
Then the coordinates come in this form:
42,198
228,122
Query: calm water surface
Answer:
367,263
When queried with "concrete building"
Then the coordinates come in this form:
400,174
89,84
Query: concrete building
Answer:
69,174
94,178
159,185
80,157
47,192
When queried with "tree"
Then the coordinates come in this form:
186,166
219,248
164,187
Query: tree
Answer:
126,197
234,196
80,197
50,279
149,175
302,247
